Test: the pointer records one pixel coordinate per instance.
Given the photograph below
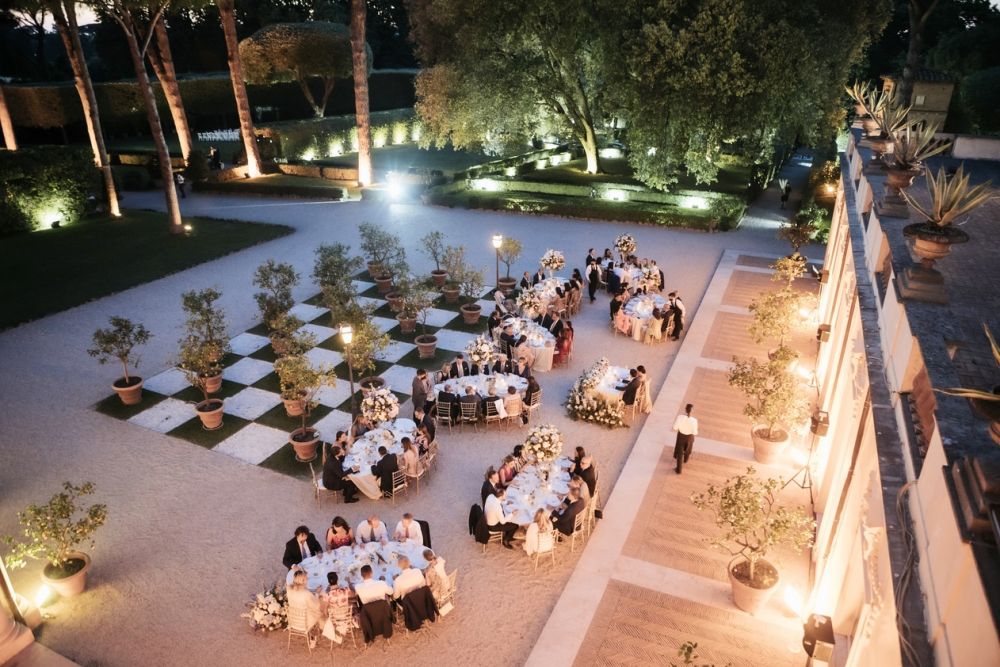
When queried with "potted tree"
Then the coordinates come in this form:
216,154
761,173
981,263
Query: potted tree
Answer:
118,343
275,280
300,381
773,403
334,266
362,353
199,362
386,256
416,301
802,228
206,319
751,524
986,403
421,303
950,197
53,532
434,248
774,314
510,252
453,260
401,285
283,334
472,288
911,147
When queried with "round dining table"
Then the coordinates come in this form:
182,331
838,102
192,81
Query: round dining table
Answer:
363,452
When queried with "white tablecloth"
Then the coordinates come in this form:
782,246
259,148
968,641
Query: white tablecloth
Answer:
363,452
547,288
639,310
347,562
607,388
529,491
481,384
539,347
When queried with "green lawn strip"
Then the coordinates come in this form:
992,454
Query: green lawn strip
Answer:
193,395
51,270
265,353
396,333
458,324
259,329
335,343
412,359
456,307
277,417
112,406
269,382
316,300
193,431
284,461
281,185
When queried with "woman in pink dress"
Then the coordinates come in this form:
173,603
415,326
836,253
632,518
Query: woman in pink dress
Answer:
507,471
339,534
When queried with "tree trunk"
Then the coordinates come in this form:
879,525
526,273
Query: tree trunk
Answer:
64,14
360,56
589,142
6,124
227,13
304,87
162,60
156,129
919,13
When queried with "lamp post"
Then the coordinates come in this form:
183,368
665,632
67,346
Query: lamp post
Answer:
497,242
347,334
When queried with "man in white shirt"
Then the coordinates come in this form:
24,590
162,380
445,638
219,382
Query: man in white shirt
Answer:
370,590
408,580
372,530
496,520
686,427
408,530
677,310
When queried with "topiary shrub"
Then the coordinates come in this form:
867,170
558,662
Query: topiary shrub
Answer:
44,186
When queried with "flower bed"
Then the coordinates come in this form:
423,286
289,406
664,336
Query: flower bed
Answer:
583,405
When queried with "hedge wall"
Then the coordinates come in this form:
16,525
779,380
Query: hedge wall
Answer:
43,184
318,138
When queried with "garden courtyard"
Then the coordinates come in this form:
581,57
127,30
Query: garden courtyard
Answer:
193,533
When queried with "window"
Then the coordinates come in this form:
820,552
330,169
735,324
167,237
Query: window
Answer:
919,101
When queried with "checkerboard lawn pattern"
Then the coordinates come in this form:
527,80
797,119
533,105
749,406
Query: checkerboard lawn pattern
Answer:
255,427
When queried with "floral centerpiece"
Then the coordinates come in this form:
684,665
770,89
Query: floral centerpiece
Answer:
625,245
268,610
544,443
593,375
529,302
480,351
380,405
649,279
584,404
553,261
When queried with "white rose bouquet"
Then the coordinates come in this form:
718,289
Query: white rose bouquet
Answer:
268,611
553,260
380,405
529,301
480,351
650,278
544,443
625,244
593,375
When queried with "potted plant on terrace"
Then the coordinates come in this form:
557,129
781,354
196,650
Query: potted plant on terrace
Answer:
284,336
415,302
53,532
199,362
419,303
118,343
275,280
366,344
434,248
453,260
300,381
472,286
912,146
774,402
751,524
205,318
950,197
510,252
334,266
386,256
987,403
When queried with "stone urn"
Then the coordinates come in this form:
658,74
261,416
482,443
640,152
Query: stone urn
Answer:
470,313
747,596
129,391
407,323
426,345
931,243
768,451
897,180
880,147
68,586
210,413
507,285
439,276
304,441
450,293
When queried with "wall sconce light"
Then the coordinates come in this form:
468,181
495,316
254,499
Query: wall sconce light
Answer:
817,638
823,333
820,423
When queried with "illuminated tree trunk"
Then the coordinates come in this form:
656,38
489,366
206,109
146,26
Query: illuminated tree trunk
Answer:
919,11
589,143
227,13
162,60
6,124
64,14
358,15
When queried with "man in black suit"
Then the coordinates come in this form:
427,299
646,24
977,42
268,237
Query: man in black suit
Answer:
555,324
538,277
588,474
591,257
546,319
300,547
509,341
386,465
628,398
447,402
503,365
335,477
611,279
526,281
423,418
490,486
459,367
472,398
564,517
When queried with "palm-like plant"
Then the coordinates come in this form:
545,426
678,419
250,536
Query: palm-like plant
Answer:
913,145
950,197
891,118
976,393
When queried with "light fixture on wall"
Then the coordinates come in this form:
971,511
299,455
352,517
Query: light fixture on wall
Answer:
817,637
820,422
823,333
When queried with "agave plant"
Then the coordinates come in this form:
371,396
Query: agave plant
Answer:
913,145
867,97
976,393
950,197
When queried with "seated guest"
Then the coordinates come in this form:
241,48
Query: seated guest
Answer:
537,537
512,403
555,324
472,398
490,486
538,277
408,530
335,475
509,342
300,597
533,388
479,369
522,368
491,397
660,280
443,374
502,365
437,578
525,281
384,468
564,345
497,521
588,473
632,389
576,482
360,426
447,402
370,589
616,305
459,367
580,453
338,600
371,530
409,579
423,420
500,300
614,283
545,319
422,440
507,471
303,545
564,517
339,534
411,460
518,455
494,321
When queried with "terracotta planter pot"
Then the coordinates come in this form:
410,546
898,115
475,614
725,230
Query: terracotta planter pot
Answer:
745,596
931,243
439,276
374,268
395,300
767,451
293,407
470,313
210,413
213,383
407,324
507,285
371,382
897,179
426,345
72,585
130,393
384,284
304,443
450,293
280,345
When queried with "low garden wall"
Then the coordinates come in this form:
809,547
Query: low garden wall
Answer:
318,138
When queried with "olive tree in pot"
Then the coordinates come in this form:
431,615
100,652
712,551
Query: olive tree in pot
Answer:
472,286
434,248
297,344
416,300
774,401
118,343
510,252
419,303
386,256
801,229
751,524
275,281
334,266
301,381
207,320
53,532
199,362
986,403
367,341
454,263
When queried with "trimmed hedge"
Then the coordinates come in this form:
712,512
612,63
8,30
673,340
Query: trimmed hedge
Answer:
318,138
246,187
40,185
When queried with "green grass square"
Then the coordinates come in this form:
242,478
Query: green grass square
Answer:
230,359
284,461
396,333
112,406
458,324
265,353
380,367
324,320
193,395
412,359
259,330
385,310
373,293
315,300
193,431
441,304
270,382
278,418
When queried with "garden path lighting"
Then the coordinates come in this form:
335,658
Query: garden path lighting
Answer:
497,242
347,335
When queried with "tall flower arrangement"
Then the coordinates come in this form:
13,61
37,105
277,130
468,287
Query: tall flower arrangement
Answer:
529,302
268,610
481,351
544,443
380,405
625,245
584,404
552,260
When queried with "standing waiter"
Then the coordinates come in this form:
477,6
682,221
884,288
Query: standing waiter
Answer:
686,427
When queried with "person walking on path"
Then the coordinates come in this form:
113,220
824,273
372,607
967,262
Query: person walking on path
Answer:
687,428
785,195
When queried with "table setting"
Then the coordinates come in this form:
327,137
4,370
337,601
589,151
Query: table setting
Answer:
612,383
482,383
540,342
363,452
537,486
639,310
347,562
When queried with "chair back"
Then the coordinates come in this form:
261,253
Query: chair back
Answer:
515,408
579,521
297,618
442,418
317,482
536,399
547,541
491,410
423,463
469,411
398,481
453,582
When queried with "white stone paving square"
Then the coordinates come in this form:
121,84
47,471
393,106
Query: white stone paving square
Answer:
321,355
247,370
306,312
333,396
253,443
168,383
164,416
321,333
362,285
436,317
333,422
251,403
399,378
384,323
488,305
368,301
453,340
395,351
247,343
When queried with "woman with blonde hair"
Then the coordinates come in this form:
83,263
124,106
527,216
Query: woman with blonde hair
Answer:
538,536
